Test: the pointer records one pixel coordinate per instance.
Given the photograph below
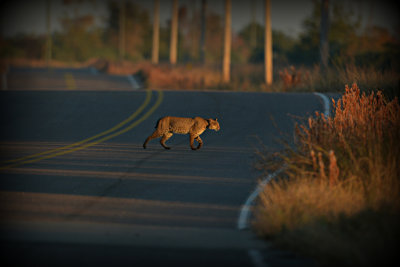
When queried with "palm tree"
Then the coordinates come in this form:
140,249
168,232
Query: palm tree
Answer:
268,44
173,48
227,43
156,32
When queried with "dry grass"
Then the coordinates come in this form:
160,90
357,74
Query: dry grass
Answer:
244,77
193,77
311,79
289,204
250,77
165,76
341,168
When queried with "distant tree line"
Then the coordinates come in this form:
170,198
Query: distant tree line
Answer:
80,39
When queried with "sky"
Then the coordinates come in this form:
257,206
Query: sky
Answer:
29,17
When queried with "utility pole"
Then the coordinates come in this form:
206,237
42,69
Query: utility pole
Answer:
122,30
156,32
324,43
227,43
173,48
268,44
203,31
48,32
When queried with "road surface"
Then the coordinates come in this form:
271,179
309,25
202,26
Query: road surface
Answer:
77,187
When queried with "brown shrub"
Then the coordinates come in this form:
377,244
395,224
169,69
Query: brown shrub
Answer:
348,161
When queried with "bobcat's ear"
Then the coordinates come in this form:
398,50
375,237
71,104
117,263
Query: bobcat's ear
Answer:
216,119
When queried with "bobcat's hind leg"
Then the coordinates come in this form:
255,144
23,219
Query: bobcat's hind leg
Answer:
155,134
165,137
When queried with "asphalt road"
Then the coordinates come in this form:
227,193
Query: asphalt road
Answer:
64,79
77,188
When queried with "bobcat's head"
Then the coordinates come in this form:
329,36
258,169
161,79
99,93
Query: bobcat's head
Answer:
213,124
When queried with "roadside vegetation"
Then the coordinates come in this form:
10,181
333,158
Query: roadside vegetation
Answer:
367,55
338,200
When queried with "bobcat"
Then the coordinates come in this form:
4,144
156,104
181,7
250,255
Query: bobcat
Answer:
167,126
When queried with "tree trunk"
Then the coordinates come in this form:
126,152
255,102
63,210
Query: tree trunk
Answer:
156,32
173,49
268,44
227,43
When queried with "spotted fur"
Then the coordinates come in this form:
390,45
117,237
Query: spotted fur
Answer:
167,126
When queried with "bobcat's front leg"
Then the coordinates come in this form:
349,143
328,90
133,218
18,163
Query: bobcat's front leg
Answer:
192,137
198,139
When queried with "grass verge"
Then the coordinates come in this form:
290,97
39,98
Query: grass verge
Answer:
339,199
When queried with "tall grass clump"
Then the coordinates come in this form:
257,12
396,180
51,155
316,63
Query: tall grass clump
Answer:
339,199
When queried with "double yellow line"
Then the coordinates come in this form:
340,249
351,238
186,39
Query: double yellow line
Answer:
91,141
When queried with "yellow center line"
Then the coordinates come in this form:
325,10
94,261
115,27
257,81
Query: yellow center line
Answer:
134,124
116,127
36,157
